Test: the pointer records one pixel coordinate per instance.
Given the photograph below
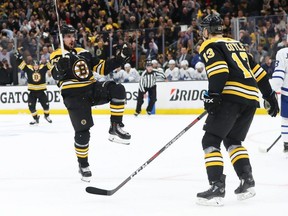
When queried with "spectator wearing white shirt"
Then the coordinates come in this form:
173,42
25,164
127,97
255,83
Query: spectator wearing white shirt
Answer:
172,73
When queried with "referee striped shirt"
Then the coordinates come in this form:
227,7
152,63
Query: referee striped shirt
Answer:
148,80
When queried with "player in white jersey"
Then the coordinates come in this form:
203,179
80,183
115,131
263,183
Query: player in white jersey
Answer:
200,72
279,81
119,75
186,72
132,75
172,73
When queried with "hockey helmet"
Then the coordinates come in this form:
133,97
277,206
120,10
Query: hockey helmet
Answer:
67,29
213,23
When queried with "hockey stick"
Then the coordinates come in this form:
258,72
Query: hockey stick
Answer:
264,150
59,30
98,191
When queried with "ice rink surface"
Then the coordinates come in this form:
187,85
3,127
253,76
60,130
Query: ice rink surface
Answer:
39,174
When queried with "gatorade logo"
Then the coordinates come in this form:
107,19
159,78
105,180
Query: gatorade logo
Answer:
186,95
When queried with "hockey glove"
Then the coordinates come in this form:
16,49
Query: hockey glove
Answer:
125,53
63,64
212,102
18,56
61,67
271,104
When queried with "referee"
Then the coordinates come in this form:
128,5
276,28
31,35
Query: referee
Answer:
147,83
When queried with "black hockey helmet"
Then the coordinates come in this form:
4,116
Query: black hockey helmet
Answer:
213,23
67,29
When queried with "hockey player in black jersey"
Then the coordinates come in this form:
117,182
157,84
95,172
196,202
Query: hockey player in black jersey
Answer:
80,91
36,78
231,101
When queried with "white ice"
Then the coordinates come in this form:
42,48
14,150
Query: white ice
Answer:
39,174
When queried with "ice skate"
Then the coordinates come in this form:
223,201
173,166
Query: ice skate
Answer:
35,121
213,196
118,135
246,187
85,173
136,114
47,118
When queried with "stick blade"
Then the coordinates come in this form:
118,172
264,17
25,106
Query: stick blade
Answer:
98,191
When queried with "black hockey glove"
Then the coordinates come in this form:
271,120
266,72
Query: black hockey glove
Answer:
124,54
212,102
18,56
63,64
61,67
271,104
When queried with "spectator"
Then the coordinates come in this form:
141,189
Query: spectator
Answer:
184,55
45,53
152,51
268,66
260,54
6,76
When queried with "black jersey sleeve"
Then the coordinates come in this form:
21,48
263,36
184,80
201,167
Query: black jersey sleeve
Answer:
261,77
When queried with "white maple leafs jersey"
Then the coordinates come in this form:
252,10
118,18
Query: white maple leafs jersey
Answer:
173,74
279,81
280,75
119,75
186,74
132,76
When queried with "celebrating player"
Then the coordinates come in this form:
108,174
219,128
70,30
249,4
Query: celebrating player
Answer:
231,102
80,91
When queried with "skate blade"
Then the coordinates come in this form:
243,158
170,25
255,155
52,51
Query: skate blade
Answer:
49,121
116,139
86,179
216,201
243,196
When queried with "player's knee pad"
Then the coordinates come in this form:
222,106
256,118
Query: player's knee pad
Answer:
232,147
32,108
45,106
229,142
82,137
211,140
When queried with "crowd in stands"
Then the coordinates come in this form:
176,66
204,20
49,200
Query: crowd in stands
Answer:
166,31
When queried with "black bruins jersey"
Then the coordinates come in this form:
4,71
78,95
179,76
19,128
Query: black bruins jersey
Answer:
80,76
232,71
36,79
